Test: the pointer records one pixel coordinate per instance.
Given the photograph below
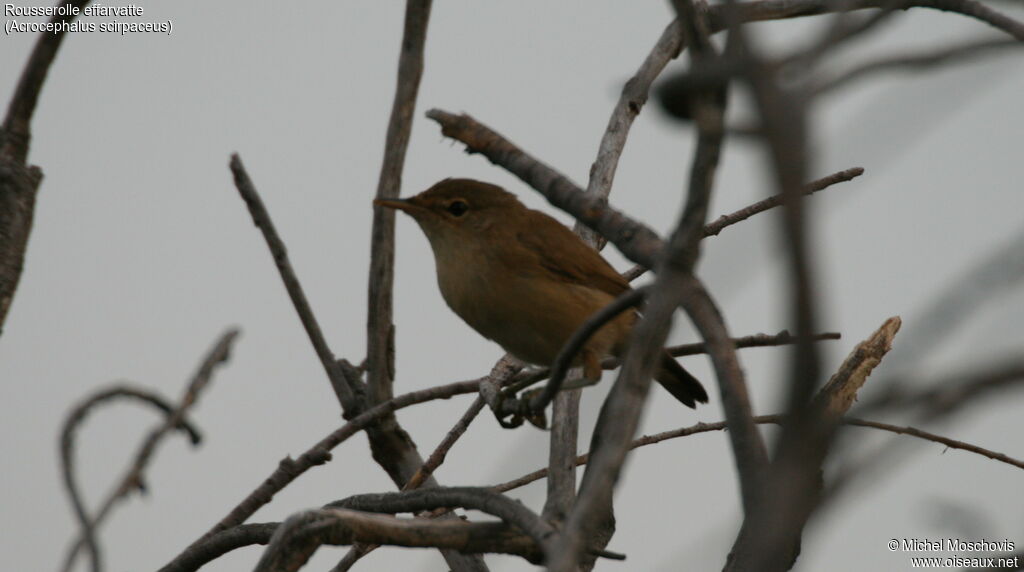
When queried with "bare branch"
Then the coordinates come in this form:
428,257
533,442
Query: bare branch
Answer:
631,101
347,390
723,221
15,134
19,183
379,328
720,16
220,544
434,461
18,187
770,535
616,425
454,434
917,61
952,392
776,419
318,454
753,341
951,443
476,498
748,447
133,478
67,449
716,227
299,537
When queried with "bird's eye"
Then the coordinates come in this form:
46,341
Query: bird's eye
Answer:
458,208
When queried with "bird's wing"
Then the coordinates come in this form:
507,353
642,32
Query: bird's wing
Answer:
564,256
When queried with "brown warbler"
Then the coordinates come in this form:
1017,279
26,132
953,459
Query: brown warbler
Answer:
524,280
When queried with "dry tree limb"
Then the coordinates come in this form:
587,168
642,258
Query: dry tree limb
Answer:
133,478
18,187
722,15
348,390
434,461
67,450
565,412
249,534
437,457
19,182
223,542
592,514
632,99
917,61
481,537
783,338
769,537
475,498
838,395
716,227
777,419
937,401
753,341
379,327
16,133
952,392
288,469
298,537
390,445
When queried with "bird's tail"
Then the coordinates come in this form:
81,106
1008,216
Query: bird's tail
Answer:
679,382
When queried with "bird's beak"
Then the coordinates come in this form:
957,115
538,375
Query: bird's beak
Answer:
406,205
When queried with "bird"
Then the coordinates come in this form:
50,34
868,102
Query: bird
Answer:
526,281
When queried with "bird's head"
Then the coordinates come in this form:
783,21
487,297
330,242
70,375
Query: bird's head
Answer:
459,209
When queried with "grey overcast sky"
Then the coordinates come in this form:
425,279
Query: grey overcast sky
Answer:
142,254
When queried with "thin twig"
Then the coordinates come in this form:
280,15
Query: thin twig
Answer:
296,539
346,389
391,446
379,327
723,221
528,378
565,412
632,99
67,450
950,393
175,420
802,460
289,469
620,413
776,419
782,338
748,447
918,61
951,443
434,461
223,542
716,227
720,16
437,457
475,498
